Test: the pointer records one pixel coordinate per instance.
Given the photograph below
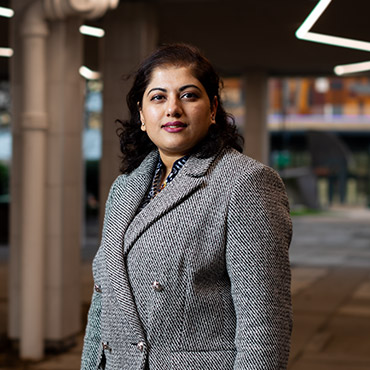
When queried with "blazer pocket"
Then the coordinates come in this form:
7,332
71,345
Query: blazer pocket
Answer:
210,360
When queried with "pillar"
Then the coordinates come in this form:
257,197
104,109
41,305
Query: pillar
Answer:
64,183
131,34
46,184
256,144
34,125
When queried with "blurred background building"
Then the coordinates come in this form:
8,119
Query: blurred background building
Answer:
62,87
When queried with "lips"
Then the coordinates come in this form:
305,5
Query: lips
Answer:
175,124
174,127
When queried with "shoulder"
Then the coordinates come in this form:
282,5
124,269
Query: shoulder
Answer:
238,166
117,186
146,167
247,178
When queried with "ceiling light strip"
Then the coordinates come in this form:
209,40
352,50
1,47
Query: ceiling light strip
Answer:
312,18
352,68
338,41
89,74
6,12
92,31
6,52
304,34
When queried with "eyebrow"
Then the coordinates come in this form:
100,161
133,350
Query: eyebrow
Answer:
182,88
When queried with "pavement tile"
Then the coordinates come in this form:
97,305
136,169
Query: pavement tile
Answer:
356,309
329,364
303,277
363,291
305,325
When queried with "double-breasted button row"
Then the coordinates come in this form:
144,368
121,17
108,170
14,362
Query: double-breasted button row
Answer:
106,347
157,286
97,288
140,346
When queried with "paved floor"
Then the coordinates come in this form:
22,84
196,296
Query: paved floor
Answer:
330,256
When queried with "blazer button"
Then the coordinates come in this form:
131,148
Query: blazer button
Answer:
140,346
107,347
157,286
97,288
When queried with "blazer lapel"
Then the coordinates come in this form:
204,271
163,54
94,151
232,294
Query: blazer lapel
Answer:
189,179
126,200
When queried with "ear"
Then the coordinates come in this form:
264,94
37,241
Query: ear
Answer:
214,106
143,127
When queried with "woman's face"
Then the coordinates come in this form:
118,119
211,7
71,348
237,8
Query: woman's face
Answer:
176,111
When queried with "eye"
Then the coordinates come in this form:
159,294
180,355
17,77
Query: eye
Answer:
189,96
157,97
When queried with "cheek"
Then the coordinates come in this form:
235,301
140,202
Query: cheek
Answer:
203,115
151,114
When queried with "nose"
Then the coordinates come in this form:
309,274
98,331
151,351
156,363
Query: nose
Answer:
174,108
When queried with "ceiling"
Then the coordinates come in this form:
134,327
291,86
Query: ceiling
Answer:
240,36
260,34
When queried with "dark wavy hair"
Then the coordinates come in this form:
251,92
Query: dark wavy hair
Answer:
135,144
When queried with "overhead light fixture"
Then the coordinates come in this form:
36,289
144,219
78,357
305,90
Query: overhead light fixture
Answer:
89,74
92,31
303,32
6,52
6,12
352,68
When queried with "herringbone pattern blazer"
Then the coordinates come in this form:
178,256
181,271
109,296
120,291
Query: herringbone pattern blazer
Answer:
200,278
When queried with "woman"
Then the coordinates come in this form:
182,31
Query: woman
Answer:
193,269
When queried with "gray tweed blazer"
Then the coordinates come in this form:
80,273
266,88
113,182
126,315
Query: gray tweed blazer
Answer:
200,278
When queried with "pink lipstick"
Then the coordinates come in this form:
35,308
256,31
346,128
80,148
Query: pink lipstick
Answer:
176,126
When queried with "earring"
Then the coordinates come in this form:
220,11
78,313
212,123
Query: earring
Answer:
142,124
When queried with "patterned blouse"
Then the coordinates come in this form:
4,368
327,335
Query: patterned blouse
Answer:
156,184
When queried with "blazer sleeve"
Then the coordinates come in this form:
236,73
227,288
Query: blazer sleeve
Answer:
258,238
92,348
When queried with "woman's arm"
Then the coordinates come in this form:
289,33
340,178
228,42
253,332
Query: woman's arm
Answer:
92,349
259,234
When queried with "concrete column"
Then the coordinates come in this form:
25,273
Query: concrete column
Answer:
131,34
34,124
256,143
64,183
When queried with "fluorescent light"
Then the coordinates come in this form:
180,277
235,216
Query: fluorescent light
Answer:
312,18
337,41
303,32
6,12
88,74
92,31
352,68
6,52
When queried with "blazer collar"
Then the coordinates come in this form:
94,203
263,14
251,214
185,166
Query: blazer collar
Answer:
188,180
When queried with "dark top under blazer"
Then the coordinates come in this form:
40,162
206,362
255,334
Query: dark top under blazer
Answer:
216,239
